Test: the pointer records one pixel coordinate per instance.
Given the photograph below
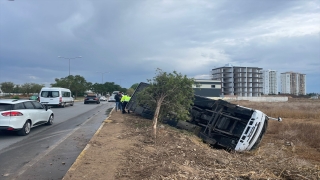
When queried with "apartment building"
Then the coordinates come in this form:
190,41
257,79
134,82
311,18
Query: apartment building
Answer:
239,81
293,83
269,82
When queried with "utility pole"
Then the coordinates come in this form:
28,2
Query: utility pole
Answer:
69,60
102,73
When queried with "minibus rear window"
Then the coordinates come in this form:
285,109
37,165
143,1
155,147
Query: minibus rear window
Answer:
50,94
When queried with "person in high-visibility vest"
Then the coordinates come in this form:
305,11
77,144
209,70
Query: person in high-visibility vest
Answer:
125,99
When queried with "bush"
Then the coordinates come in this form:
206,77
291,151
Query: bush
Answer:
16,97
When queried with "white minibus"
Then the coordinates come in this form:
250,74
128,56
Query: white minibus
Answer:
56,96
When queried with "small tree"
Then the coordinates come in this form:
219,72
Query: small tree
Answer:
134,86
170,94
7,87
130,91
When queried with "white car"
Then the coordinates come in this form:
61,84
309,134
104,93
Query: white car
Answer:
103,98
111,98
22,115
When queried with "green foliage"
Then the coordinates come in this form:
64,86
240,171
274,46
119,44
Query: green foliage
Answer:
171,92
106,87
15,97
26,88
134,86
77,84
7,87
130,91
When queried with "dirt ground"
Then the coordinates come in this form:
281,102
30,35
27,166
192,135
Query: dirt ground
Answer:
124,149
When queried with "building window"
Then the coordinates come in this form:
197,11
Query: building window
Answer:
213,86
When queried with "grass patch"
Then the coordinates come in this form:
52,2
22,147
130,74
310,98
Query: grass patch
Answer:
304,109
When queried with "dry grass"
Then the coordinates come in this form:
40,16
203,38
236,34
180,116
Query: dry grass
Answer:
303,109
300,126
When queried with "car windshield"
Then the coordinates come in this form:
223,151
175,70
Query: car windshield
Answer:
5,107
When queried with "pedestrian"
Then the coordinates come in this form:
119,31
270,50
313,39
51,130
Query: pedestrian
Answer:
117,97
125,99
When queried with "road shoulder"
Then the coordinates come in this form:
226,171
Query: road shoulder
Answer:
103,152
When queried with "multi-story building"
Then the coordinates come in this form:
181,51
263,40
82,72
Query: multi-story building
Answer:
293,83
239,81
269,82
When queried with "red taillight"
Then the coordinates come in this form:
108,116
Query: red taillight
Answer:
10,129
60,99
12,113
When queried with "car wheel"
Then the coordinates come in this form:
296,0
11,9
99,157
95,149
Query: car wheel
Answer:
50,120
25,129
72,103
64,105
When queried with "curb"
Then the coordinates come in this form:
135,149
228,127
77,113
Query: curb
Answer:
83,152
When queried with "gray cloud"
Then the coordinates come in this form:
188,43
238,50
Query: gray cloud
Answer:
130,39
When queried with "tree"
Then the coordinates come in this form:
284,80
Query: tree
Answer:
36,88
7,87
77,84
134,86
17,89
130,91
170,94
26,88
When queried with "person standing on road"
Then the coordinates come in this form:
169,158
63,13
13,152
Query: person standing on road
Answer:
117,97
125,99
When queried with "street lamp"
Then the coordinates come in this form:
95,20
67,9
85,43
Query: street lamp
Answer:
102,76
69,60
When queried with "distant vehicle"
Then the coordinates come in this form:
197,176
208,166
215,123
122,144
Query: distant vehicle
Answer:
92,98
33,97
103,98
56,96
22,115
216,122
111,98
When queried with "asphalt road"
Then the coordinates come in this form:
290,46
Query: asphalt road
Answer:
49,151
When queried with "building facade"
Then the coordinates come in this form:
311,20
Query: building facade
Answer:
239,81
269,82
207,87
293,83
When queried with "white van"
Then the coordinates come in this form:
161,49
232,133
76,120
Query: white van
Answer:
56,96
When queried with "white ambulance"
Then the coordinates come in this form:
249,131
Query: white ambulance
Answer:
56,96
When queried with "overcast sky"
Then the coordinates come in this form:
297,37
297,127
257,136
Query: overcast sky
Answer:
129,39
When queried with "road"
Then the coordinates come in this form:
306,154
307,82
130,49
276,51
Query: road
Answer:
49,151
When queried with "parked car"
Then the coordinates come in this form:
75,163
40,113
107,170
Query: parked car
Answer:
91,98
55,96
33,97
22,115
103,98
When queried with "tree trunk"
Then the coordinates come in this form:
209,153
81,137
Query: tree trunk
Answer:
155,119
